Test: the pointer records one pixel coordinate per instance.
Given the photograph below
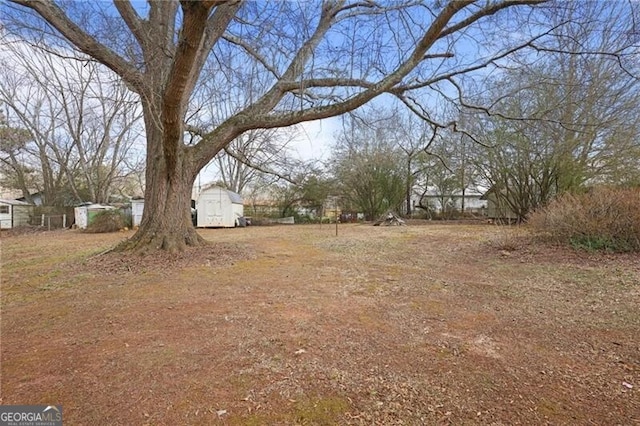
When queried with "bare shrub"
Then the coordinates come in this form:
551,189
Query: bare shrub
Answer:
509,238
601,219
106,221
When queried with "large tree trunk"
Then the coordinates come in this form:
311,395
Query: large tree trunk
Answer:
166,221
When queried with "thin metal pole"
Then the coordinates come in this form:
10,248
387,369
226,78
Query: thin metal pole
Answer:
336,215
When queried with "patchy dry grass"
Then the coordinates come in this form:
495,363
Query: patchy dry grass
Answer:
434,324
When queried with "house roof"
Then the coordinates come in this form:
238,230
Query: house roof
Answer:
488,192
470,192
14,202
33,194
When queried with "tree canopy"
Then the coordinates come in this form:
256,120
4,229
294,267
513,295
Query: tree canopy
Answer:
218,69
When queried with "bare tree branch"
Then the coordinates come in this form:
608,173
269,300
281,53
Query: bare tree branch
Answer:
487,11
245,160
133,21
253,52
82,40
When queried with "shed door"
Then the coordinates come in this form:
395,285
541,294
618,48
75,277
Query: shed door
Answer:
81,217
136,213
213,207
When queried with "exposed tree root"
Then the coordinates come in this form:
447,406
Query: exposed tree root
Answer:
149,241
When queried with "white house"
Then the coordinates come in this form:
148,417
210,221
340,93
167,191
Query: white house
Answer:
472,200
218,207
14,213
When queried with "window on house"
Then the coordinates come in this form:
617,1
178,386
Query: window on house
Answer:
4,209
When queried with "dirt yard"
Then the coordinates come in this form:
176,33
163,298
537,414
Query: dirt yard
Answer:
415,325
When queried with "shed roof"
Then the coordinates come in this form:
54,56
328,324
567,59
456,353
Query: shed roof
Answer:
234,196
14,202
93,206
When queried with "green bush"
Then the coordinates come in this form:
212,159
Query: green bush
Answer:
601,219
107,221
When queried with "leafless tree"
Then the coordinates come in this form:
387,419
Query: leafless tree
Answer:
83,125
414,138
313,60
255,152
14,172
570,120
44,153
368,164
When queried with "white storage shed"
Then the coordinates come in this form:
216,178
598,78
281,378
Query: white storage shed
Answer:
14,213
218,207
85,213
137,208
